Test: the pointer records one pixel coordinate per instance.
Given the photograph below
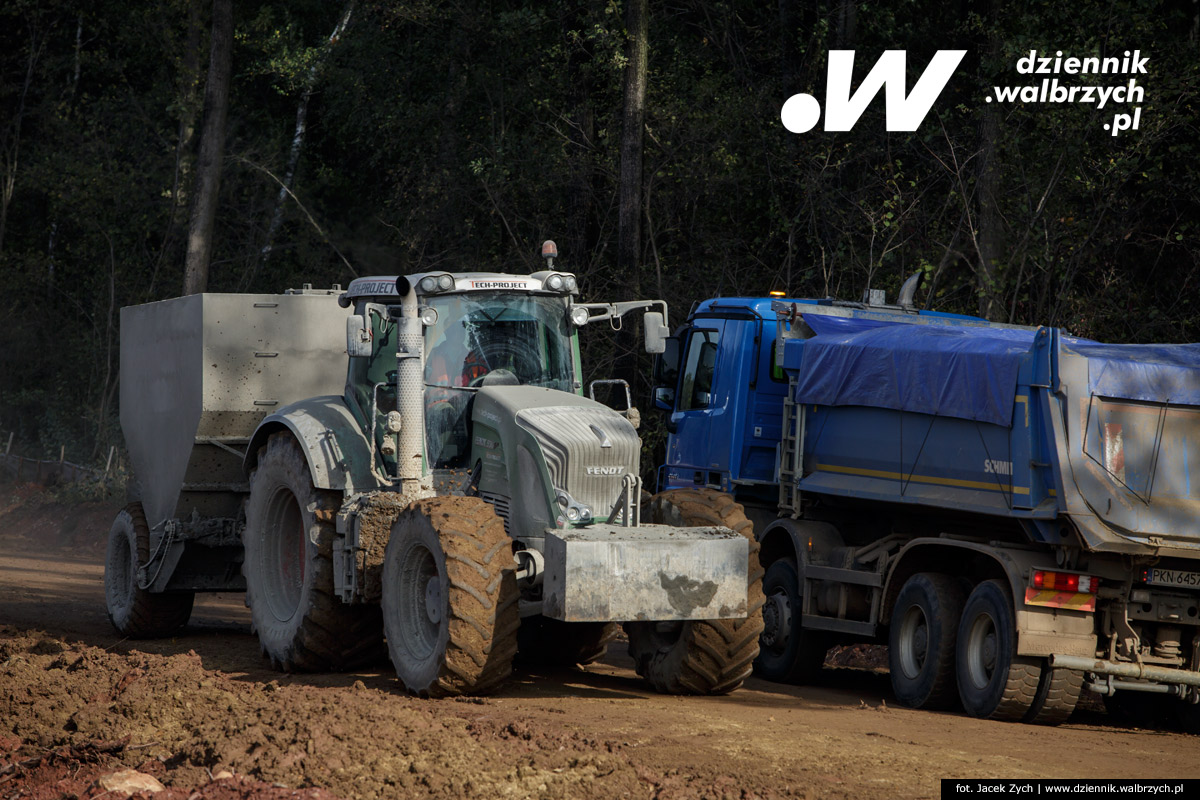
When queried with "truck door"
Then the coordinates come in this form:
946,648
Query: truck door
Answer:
698,400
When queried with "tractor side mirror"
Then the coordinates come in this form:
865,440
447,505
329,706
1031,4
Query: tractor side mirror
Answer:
656,331
358,336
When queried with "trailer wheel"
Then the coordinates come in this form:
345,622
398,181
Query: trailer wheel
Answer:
787,651
994,682
301,625
701,656
136,612
542,640
450,598
1057,695
921,640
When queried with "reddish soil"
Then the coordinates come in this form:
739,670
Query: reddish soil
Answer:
204,714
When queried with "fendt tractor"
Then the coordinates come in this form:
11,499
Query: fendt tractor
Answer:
1009,509
451,493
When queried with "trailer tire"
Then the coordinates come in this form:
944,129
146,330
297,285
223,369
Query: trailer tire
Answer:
994,682
701,656
136,612
450,598
1057,695
301,625
787,651
921,641
546,641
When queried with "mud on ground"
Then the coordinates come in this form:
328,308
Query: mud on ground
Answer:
203,714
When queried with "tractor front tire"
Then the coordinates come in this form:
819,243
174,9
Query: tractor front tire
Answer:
450,598
301,625
136,612
701,656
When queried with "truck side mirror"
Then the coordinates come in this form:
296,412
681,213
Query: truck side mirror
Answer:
656,331
358,336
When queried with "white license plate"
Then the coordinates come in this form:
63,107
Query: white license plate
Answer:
1173,577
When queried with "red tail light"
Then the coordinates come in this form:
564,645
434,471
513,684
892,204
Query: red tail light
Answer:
1064,581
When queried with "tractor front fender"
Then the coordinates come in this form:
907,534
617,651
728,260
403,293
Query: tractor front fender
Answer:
337,451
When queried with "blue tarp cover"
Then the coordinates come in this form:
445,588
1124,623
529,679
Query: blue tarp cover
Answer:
1157,373
948,370
970,372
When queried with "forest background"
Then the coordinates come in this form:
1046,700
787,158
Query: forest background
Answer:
155,147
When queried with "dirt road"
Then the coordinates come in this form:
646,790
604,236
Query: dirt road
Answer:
204,714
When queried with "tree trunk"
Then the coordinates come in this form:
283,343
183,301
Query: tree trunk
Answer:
212,150
289,176
581,230
629,230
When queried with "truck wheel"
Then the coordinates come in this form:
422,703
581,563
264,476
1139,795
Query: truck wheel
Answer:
701,656
787,651
450,598
133,611
301,625
546,641
994,682
1057,695
921,641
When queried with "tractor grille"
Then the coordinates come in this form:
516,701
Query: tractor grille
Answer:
587,450
501,504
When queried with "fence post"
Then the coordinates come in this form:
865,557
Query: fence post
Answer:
108,463
8,449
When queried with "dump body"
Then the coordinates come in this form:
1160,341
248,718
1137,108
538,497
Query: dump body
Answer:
199,373
1031,425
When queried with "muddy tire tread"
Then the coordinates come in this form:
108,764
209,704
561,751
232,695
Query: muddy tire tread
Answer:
1058,694
714,656
332,636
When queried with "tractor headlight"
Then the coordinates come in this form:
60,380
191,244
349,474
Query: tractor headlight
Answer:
428,284
428,316
572,284
579,316
555,283
445,283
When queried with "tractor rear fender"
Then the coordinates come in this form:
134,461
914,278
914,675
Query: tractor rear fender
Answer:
1040,630
337,451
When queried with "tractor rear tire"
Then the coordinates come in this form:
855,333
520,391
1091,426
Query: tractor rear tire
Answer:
450,598
301,625
545,641
136,612
701,656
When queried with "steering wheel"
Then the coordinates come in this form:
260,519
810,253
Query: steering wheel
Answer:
501,376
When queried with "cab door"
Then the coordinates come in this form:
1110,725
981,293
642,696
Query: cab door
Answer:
700,401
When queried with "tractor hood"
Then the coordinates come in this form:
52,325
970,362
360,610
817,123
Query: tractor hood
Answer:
576,446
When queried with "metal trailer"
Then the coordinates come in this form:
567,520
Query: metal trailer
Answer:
456,513
1010,509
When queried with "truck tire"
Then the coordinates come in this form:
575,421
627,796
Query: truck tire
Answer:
921,641
133,611
787,651
1057,695
994,682
450,598
701,656
545,641
301,625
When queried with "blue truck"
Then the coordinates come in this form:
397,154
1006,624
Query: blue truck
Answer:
1009,509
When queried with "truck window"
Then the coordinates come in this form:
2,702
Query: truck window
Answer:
696,388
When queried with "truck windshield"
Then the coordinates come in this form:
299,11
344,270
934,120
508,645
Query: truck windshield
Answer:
512,338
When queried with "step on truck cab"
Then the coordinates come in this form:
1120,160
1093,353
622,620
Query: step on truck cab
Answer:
1009,509
412,463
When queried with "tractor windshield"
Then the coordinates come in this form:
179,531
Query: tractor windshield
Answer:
511,338
488,339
